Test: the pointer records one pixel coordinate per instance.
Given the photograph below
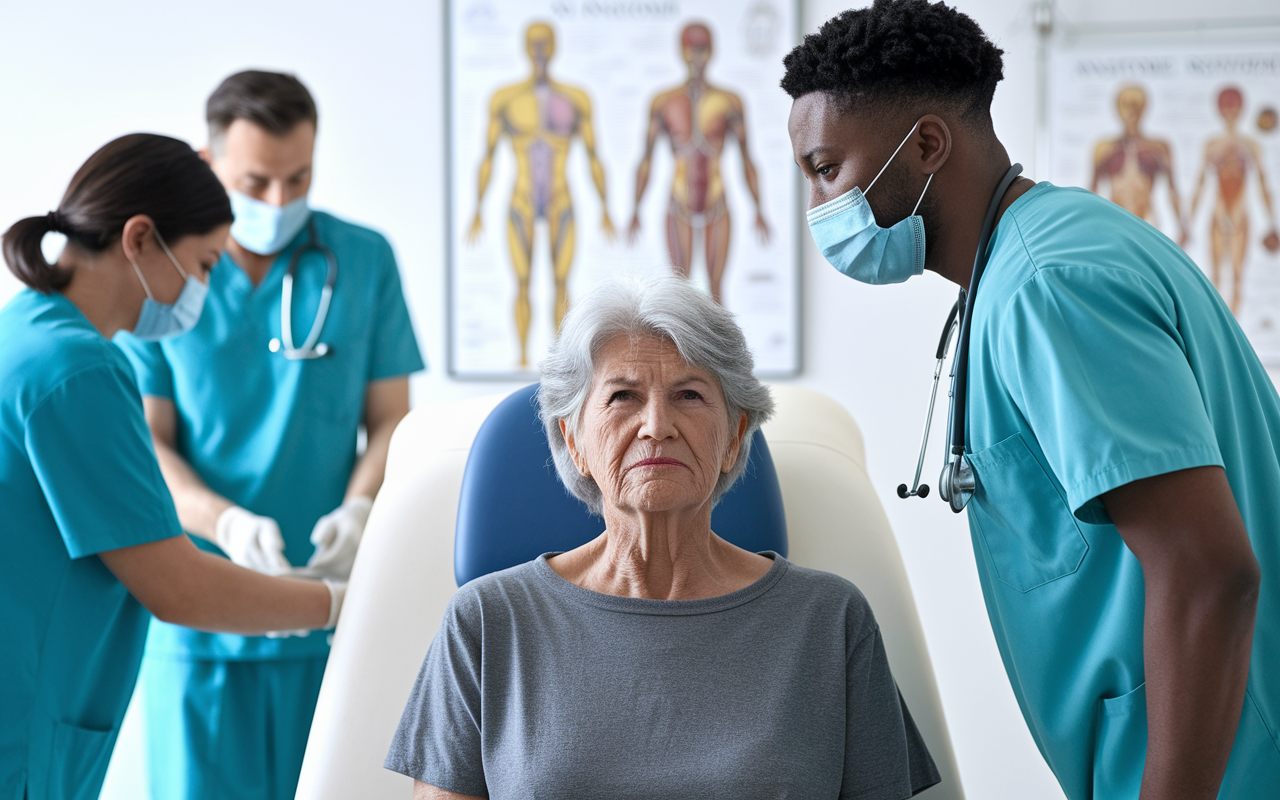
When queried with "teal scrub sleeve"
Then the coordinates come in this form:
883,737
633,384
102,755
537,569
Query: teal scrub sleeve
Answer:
1093,359
91,451
154,374
395,349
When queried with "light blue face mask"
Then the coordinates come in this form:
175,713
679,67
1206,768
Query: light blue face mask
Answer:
161,321
846,232
263,228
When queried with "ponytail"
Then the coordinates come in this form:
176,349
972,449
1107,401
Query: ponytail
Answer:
141,173
26,259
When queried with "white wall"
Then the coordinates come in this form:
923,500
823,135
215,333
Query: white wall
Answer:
77,73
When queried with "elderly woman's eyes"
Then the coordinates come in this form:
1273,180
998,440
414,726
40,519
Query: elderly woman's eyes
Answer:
621,394
690,394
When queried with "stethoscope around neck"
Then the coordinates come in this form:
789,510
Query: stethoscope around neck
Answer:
956,484
312,347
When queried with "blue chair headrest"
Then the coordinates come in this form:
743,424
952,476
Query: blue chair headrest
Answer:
513,507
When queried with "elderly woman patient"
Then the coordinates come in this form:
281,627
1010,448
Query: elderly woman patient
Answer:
657,660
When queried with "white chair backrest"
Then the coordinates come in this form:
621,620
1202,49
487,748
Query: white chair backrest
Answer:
835,523
403,579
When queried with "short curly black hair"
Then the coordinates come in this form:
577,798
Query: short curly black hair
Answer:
898,54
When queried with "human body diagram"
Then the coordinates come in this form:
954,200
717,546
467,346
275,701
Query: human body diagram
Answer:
1232,157
697,118
541,117
1132,163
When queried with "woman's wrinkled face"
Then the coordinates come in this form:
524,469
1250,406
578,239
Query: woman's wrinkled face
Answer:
654,432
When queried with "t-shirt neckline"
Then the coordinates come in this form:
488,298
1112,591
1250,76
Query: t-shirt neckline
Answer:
637,605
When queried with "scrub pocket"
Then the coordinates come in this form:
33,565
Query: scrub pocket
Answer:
1030,533
79,762
1120,752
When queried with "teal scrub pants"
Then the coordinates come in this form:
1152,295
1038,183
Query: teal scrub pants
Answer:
228,730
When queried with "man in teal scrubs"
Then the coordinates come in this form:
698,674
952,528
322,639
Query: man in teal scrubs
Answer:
1124,437
260,449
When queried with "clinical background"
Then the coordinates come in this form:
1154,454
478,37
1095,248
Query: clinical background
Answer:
76,74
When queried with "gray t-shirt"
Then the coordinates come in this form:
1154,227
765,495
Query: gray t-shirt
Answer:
538,688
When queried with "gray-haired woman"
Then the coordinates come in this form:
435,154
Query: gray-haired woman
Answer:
657,660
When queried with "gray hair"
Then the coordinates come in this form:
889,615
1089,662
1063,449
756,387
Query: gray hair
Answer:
666,307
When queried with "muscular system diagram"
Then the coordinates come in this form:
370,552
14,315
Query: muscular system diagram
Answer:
697,118
1232,157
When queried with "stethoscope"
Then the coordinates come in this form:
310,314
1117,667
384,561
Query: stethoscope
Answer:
312,347
956,484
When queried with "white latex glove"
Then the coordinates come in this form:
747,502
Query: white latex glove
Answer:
337,593
337,536
251,541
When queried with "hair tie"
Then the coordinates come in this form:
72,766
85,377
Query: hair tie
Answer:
54,220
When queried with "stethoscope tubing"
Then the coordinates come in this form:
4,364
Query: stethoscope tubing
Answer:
312,347
956,483
960,379
918,489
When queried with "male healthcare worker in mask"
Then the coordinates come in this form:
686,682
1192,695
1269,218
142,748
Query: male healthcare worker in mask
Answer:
1124,436
260,450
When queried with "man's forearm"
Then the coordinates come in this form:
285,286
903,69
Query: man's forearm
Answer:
198,506
1196,643
386,403
1201,594
366,478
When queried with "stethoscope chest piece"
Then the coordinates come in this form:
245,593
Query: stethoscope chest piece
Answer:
956,484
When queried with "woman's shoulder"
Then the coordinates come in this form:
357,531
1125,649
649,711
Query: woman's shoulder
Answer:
46,343
512,586
820,581
826,592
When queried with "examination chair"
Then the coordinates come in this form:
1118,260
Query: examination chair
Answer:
826,515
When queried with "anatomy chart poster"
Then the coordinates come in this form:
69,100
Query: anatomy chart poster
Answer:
1185,136
591,138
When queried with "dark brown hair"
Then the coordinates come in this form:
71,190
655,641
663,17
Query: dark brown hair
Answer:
273,101
142,173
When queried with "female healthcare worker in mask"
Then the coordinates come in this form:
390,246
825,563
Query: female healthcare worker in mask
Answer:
90,540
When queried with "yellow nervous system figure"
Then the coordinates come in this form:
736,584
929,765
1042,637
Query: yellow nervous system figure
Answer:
697,118
1232,157
541,117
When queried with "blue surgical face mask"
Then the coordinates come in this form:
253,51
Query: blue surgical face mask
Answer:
846,232
161,321
263,228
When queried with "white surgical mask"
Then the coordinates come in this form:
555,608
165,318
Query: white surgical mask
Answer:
163,320
263,228
846,232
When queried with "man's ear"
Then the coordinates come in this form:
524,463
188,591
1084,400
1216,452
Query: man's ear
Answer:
935,143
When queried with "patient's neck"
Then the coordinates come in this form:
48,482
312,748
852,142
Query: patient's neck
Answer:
668,555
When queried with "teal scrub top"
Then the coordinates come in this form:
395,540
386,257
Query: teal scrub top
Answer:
276,436
78,476
1100,354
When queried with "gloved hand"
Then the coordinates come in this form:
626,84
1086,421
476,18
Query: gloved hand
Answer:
337,536
251,541
337,593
